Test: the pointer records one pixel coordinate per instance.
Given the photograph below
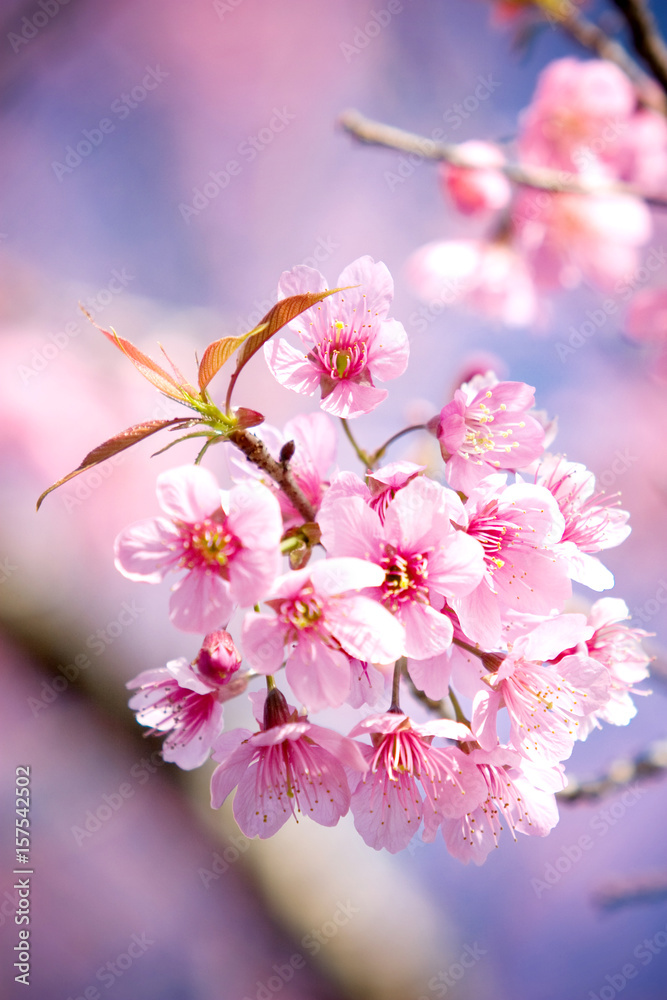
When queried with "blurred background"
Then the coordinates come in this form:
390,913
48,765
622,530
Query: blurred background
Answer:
162,163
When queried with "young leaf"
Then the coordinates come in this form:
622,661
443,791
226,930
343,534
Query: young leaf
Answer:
283,312
217,353
149,369
115,445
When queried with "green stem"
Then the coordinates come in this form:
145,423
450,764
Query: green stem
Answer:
470,649
399,666
458,711
361,454
376,456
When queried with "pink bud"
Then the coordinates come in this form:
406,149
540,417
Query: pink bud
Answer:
217,659
481,187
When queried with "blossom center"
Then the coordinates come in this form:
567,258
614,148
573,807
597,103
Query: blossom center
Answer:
405,577
495,533
340,355
481,437
208,544
301,612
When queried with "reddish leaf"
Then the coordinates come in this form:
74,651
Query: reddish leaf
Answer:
283,312
216,354
113,446
149,369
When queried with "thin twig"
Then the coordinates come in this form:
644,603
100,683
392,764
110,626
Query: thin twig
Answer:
647,40
256,452
375,133
651,763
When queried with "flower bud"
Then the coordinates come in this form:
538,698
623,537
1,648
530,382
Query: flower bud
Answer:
218,659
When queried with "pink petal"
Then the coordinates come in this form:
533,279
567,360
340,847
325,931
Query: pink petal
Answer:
200,602
366,630
350,399
389,352
335,576
427,632
189,493
226,777
291,368
376,286
263,640
431,675
319,676
147,550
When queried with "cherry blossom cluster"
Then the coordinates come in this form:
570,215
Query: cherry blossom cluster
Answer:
425,612
604,153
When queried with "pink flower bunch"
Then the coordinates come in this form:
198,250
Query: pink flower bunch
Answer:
586,126
409,597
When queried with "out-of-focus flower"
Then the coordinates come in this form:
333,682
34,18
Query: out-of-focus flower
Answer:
230,557
349,343
482,189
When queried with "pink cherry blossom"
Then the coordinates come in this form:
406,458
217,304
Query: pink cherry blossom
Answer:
290,766
319,624
418,550
231,557
578,116
484,189
520,797
518,527
487,427
618,648
380,487
570,238
410,781
593,521
545,701
348,339
185,700
490,278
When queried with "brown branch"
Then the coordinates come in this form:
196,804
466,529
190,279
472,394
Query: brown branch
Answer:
647,40
375,133
652,763
256,452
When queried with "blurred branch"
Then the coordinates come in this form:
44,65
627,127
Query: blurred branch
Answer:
375,133
651,763
648,887
647,40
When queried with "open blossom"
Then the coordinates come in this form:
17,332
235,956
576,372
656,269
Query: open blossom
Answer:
546,702
230,557
518,527
185,700
484,189
290,766
348,339
519,796
318,625
618,648
487,427
419,552
314,437
409,781
593,521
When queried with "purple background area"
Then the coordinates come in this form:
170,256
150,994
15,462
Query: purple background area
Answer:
309,190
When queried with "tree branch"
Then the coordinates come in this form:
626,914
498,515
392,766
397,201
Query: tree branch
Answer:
256,452
375,133
647,40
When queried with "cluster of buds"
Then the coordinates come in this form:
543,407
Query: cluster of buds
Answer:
436,611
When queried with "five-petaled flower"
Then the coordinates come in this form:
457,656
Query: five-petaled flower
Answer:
231,556
349,342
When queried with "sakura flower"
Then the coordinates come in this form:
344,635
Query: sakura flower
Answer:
519,796
348,339
409,781
570,238
491,278
483,189
380,487
318,625
487,427
518,527
290,766
592,520
231,557
314,439
545,701
185,700
618,648
577,117
419,551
